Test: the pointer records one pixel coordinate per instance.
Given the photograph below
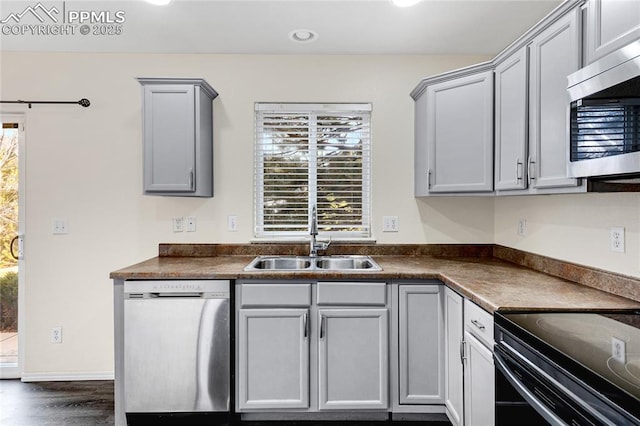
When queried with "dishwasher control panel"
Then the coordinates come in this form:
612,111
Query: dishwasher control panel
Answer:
195,288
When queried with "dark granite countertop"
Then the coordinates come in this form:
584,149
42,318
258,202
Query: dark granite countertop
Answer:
475,272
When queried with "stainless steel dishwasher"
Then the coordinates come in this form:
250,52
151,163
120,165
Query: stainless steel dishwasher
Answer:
176,346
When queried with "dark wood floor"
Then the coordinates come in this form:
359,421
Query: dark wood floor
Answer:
91,403
56,403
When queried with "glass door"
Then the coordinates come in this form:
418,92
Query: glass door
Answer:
11,240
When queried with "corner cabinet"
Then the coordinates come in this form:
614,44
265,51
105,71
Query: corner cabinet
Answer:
177,116
610,26
454,132
470,387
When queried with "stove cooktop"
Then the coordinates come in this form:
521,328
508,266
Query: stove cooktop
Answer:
607,344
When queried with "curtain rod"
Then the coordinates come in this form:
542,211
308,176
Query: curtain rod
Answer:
82,102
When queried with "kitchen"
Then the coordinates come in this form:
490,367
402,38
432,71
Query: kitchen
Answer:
85,165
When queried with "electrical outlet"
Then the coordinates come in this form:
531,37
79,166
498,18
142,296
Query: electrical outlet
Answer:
617,239
618,350
60,226
522,227
178,224
56,335
390,224
191,224
232,223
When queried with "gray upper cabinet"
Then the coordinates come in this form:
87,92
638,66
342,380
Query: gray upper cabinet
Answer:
610,26
178,136
459,158
531,110
503,125
511,122
553,55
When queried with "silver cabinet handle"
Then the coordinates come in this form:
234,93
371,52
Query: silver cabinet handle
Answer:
518,169
462,357
321,326
305,325
530,174
477,324
428,178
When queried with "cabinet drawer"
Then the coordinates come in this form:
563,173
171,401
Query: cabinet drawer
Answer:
479,323
298,294
352,293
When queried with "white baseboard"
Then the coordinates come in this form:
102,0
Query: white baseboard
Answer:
67,376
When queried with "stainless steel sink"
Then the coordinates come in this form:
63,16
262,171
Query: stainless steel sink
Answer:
347,263
306,263
277,263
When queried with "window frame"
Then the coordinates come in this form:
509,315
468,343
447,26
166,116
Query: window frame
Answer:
312,110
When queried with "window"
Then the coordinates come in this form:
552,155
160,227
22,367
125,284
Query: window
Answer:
312,154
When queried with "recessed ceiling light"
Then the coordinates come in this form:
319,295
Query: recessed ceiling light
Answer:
303,36
405,3
159,2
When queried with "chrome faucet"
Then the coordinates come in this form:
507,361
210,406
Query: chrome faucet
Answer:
314,245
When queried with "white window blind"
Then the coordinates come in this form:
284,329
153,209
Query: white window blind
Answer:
312,154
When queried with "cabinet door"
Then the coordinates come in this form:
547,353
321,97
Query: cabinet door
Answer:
460,134
511,122
610,26
169,138
420,326
353,359
479,384
454,378
273,358
553,55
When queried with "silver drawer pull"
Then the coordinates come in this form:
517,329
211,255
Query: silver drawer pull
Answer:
477,324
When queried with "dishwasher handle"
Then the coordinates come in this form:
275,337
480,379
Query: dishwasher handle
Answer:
170,294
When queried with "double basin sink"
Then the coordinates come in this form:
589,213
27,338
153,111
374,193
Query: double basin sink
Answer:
307,263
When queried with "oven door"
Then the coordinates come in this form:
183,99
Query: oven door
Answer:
537,392
528,395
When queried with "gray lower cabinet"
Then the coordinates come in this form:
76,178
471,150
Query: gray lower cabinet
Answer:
454,371
420,326
273,357
353,359
479,377
312,347
178,136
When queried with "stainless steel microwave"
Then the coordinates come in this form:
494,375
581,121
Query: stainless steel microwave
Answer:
604,131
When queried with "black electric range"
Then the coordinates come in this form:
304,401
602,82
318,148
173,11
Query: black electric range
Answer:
567,368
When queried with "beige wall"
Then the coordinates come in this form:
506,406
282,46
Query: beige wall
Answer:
85,165
573,227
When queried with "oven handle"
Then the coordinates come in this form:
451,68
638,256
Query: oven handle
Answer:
526,393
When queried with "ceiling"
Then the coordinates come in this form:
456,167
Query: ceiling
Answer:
478,27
